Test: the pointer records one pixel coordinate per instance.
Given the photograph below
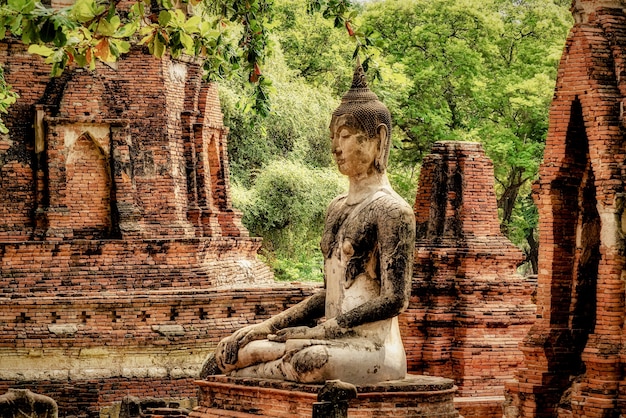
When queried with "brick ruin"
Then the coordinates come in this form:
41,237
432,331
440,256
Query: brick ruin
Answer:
121,256
469,309
574,354
123,262
467,314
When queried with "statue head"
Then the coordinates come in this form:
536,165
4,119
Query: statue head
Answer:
363,111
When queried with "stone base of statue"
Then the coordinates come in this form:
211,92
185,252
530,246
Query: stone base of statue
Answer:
415,396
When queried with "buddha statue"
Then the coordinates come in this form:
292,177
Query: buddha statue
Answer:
367,243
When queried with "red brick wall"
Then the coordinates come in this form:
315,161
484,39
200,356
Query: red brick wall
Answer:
221,396
88,189
580,199
173,238
469,309
117,229
114,328
165,137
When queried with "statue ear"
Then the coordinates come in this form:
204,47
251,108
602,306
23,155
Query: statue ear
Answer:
382,134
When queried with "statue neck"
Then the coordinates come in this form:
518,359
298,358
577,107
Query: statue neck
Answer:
362,187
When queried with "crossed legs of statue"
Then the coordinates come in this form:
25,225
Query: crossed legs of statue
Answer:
314,361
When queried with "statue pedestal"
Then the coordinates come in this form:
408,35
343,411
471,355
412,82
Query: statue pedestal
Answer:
415,396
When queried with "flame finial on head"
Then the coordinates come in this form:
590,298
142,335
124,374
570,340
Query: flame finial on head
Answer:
358,79
359,91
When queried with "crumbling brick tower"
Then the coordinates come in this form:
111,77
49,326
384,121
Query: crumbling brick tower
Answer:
469,309
116,230
575,354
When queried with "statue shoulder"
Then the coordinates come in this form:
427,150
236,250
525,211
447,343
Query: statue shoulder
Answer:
389,201
336,202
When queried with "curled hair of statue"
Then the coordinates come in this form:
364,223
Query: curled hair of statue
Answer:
368,111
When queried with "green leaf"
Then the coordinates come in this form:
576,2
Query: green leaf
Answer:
42,50
193,24
22,6
30,33
127,30
60,39
122,46
84,10
158,48
187,42
108,27
164,17
80,59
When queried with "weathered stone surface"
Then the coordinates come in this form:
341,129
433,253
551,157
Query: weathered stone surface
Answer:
367,244
22,403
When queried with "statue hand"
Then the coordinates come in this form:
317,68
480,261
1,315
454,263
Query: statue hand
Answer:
327,330
227,350
297,333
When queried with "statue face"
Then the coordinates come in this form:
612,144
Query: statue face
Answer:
353,151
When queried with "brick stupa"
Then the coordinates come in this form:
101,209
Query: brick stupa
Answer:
575,355
469,308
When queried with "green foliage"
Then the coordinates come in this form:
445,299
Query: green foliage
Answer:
296,129
475,70
7,98
286,205
313,47
92,30
281,168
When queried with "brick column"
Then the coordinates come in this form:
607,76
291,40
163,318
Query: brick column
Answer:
52,213
126,211
469,308
574,355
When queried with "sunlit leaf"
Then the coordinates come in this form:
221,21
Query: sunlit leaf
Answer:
108,27
164,17
84,10
127,30
122,46
42,50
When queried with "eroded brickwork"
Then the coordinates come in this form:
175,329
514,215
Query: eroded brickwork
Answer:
574,355
117,232
122,261
100,348
469,309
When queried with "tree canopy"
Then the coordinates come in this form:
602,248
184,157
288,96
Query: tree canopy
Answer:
479,70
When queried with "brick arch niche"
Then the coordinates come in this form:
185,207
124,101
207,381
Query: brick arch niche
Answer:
574,355
576,237
88,188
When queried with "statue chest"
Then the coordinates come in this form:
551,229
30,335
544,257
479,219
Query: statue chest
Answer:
351,265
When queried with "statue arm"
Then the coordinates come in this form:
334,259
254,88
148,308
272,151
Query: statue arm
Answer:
309,309
396,243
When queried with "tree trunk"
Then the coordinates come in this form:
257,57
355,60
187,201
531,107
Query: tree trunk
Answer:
506,202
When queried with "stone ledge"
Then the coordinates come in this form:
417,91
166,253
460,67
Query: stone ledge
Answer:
415,396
